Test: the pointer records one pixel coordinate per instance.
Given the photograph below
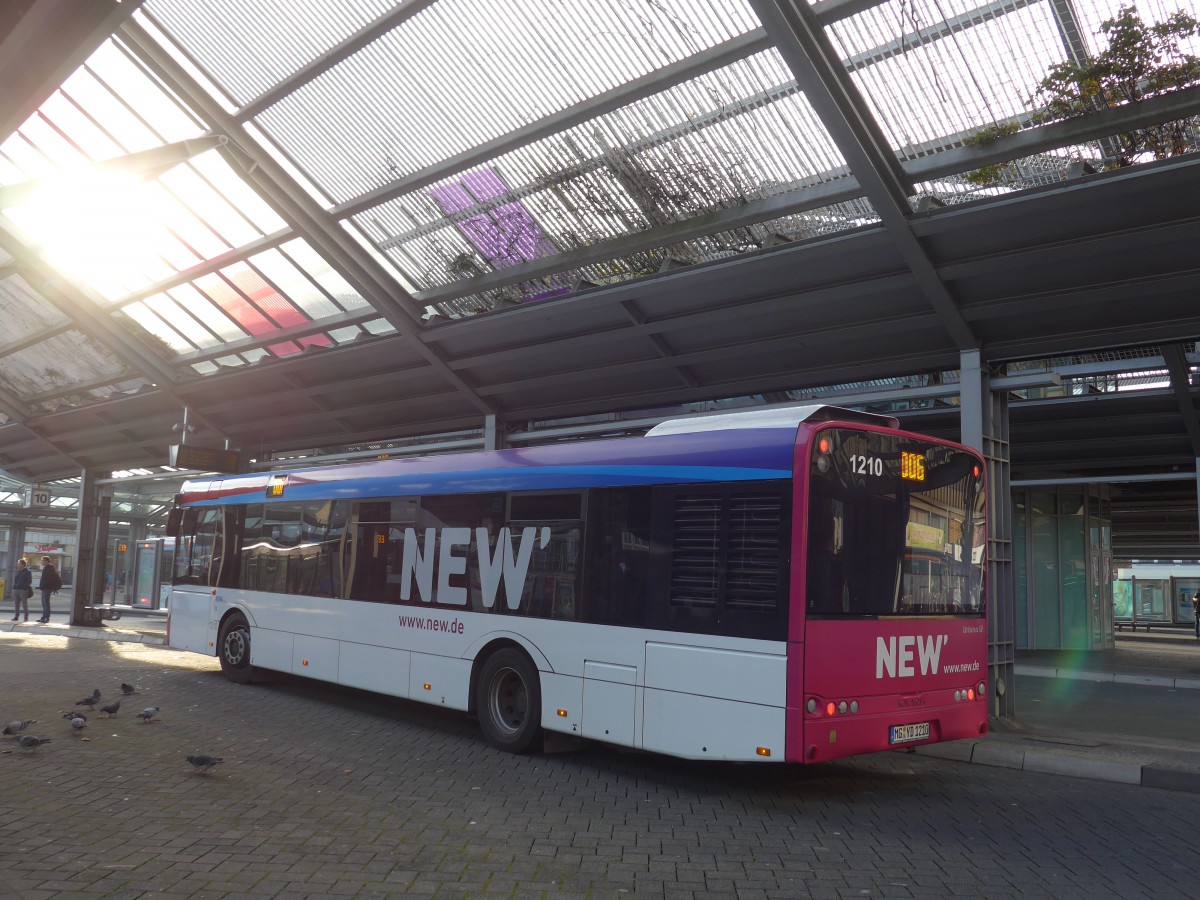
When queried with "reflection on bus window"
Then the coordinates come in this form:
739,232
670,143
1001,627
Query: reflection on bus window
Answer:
884,540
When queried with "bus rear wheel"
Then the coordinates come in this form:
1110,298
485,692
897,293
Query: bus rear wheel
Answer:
233,648
508,700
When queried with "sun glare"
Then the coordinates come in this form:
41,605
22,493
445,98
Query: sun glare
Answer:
99,227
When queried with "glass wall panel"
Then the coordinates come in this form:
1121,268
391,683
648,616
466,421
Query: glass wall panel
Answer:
1073,566
1044,575
1150,595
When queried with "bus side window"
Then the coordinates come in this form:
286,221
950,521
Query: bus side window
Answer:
196,546
618,556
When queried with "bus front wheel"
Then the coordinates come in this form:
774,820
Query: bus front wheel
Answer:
509,701
234,649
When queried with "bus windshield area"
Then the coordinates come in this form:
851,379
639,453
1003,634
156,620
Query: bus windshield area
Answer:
896,527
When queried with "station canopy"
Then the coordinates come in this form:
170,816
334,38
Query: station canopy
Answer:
316,225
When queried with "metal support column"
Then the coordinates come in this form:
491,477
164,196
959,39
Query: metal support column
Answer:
85,542
493,433
100,554
984,427
15,550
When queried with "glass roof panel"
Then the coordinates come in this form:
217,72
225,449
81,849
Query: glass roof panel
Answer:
928,84
248,215
128,102
318,269
719,141
295,284
125,235
794,227
479,70
60,362
189,312
23,311
228,39
1094,12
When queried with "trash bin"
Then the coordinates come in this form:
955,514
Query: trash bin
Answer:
91,616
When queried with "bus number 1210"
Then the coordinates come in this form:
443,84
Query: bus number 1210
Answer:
866,465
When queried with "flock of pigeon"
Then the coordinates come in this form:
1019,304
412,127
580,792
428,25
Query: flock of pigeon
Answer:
78,720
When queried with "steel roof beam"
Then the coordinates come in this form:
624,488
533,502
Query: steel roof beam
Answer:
365,35
29,74
82,307
805,47
78,304
1181,387
277,188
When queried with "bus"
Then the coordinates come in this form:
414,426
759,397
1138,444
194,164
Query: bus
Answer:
788,585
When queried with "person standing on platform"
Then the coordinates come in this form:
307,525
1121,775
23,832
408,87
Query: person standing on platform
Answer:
1196,611
22,589
48,584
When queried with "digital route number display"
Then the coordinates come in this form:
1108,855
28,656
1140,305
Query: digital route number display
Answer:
912,466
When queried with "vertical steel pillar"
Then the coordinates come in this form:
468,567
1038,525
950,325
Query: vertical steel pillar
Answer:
85,543
100,554
493,433
984,427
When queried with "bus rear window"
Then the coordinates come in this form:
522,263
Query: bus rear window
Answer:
896,527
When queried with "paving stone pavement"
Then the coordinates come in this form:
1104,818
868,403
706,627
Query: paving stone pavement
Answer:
329,792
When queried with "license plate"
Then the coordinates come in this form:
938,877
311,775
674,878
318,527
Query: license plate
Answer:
903,734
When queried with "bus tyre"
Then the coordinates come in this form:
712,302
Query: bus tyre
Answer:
234,649
508,700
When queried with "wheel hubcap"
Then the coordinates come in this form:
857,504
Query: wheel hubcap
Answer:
235,647
509,702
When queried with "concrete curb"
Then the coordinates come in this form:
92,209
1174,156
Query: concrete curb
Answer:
1113,677
1074,765
97,633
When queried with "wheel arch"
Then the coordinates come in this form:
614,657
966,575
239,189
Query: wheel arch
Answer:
227,615
490,646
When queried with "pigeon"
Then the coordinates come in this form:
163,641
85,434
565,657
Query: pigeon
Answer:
15,728
127,689
91,701
203,763
78,723
110,709
74,715
148,713
30,742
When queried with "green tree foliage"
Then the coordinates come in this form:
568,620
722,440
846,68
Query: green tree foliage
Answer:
1141,61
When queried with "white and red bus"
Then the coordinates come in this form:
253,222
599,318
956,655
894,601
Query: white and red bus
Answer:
777,585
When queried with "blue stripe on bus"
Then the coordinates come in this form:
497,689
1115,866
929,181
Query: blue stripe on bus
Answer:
523,478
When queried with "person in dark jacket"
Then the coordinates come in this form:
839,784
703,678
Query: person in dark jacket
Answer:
22,589
48,584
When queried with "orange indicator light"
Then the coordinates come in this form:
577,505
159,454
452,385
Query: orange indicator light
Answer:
304,662
970,693
428,686
763,751
562,713
823,445
830,709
